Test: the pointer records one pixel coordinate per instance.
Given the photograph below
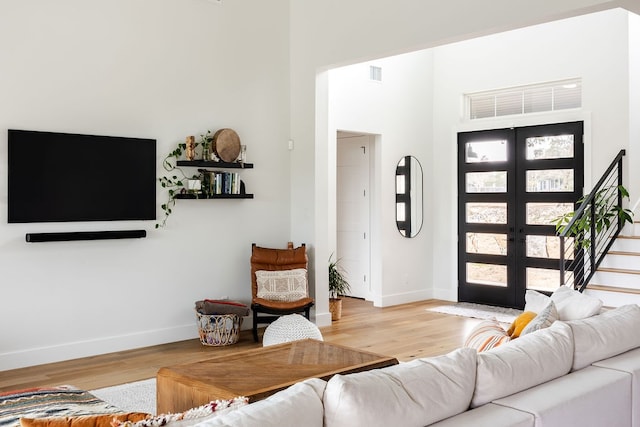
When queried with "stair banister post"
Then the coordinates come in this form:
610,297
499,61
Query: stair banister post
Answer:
619,192
562,272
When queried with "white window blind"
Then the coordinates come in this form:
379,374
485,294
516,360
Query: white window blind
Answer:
550,96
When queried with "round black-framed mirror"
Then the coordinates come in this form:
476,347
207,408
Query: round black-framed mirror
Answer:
409,188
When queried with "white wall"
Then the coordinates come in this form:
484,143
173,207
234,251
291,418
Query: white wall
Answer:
399,110
160,69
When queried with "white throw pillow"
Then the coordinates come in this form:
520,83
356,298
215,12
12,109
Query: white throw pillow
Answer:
535,301
523,363
606,335
574,305
282,285
300,404
417,393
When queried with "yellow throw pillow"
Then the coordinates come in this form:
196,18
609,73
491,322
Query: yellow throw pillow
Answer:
520,323
102,420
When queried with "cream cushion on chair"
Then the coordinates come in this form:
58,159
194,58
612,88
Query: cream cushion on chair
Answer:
282,285
416,393
292,327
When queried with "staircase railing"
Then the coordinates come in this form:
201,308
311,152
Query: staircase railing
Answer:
588,236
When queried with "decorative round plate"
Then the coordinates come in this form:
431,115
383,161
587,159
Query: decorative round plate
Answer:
226,144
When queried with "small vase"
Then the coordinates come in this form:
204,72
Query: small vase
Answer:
190,152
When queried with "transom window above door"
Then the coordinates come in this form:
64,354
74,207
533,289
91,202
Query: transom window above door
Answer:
517,100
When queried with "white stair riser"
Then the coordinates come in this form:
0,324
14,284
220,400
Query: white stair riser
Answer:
630,281
631,229
614,299
634,229
626,245
626,262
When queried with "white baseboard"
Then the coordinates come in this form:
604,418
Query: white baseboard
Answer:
446,294
75,350
404,298
322,319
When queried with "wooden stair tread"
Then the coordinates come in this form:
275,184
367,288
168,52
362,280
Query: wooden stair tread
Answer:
618,270
626,253
613,289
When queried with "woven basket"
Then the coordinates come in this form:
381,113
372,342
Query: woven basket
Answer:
219,329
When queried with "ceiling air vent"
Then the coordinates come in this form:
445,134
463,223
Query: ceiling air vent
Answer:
375,73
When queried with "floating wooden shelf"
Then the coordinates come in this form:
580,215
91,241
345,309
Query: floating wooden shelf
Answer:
212,164
214,196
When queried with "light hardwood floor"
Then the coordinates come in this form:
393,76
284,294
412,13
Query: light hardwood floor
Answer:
405,331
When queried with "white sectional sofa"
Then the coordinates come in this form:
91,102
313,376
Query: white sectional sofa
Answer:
582,373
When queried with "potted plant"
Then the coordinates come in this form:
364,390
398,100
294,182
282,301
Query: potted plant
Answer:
180,184
338,286
606,209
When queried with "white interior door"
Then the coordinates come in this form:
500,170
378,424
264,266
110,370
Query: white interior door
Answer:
352,206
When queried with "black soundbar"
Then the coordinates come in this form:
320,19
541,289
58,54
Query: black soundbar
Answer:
85,235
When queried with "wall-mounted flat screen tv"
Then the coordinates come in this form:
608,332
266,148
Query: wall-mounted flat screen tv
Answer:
64,177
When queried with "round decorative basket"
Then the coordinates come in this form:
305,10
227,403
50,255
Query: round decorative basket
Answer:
219,329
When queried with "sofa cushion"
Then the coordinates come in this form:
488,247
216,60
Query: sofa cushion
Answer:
416,393
608,334
574,305
628,362
592,397
300,404
489,415
486,335
544,319
526,362
535,301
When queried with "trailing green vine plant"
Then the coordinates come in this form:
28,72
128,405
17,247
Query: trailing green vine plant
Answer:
605,212
176,184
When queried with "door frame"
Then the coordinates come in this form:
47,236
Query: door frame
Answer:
371,146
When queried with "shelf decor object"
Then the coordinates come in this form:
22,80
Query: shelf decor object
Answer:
207,184
226,144
191,148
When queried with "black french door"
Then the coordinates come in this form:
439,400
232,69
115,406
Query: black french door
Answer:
511,184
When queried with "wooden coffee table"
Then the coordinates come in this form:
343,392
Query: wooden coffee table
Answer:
258,373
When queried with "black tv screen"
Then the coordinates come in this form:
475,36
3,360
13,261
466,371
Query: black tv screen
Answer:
60,177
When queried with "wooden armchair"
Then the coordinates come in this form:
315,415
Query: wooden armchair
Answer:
278,283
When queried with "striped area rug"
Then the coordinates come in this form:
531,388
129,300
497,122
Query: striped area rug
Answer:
60,401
